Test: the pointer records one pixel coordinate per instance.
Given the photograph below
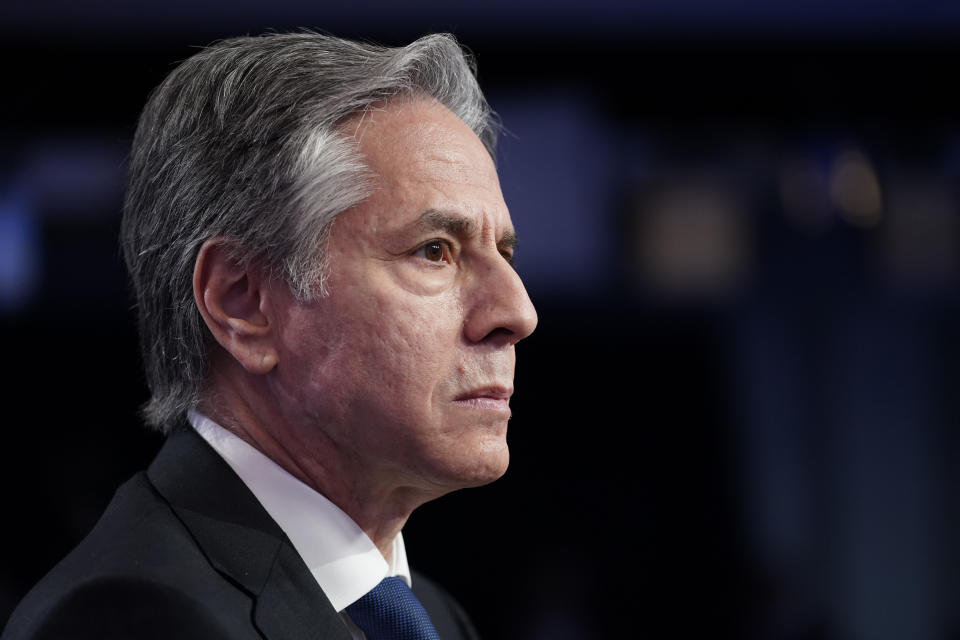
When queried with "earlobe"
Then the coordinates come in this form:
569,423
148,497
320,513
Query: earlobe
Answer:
234,303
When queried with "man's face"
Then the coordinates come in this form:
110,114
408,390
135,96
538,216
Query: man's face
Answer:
405,369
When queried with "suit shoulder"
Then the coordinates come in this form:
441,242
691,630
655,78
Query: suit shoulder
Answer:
450,619
117,607
138,567
137,535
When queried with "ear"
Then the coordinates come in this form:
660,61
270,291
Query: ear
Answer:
235,304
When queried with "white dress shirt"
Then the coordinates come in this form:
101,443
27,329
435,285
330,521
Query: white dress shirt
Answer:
342,558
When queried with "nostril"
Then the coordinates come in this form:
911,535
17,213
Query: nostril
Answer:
500,332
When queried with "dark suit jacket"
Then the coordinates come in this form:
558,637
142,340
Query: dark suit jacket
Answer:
186,551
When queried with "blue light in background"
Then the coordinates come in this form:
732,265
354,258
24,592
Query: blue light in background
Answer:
559,171
19,251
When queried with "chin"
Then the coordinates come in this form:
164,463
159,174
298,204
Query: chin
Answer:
488,464
462,458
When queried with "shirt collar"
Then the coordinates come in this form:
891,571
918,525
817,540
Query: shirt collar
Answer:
342,558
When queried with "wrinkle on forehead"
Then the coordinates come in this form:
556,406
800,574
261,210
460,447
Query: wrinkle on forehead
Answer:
424,157
438,138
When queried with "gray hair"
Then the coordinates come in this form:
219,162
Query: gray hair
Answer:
242,140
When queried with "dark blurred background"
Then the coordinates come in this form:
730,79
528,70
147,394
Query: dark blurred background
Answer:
740,222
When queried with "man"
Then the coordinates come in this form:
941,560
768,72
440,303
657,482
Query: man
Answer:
322,262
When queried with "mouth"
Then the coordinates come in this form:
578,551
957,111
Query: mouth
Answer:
491,398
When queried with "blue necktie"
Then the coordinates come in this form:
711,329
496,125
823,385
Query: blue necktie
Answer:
390,611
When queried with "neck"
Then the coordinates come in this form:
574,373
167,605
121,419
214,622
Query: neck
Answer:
377,505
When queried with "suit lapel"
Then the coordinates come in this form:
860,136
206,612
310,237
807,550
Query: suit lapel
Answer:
283,600
241,541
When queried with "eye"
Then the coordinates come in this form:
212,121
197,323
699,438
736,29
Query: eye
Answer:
436,251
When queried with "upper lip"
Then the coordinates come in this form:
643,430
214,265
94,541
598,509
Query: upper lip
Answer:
496,391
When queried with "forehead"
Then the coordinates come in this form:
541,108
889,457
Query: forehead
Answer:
394,133
424,157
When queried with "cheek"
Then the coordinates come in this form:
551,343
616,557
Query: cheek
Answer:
421,327
404,346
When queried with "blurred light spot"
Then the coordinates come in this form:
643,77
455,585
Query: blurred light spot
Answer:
75,176
855,190
804,195
692,240
558,175
19,253
921,235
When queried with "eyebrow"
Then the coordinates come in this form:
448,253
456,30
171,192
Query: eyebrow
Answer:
456,225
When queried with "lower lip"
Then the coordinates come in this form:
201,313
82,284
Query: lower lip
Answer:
500,405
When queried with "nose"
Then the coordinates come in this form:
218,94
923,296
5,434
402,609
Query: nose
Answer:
498,307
